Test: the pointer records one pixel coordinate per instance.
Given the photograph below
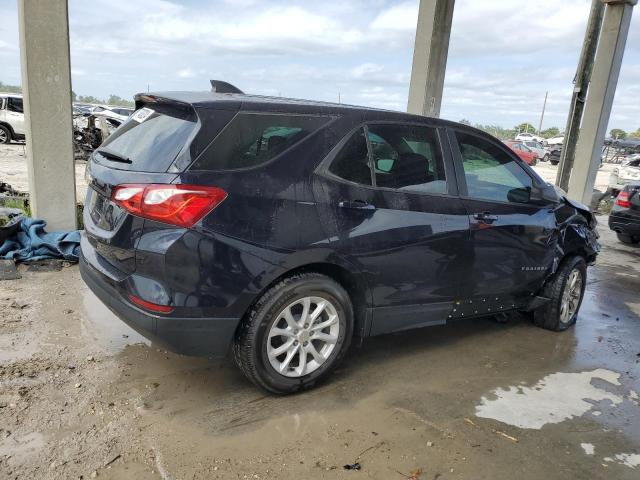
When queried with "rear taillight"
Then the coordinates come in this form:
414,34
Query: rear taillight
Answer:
153,307
623,200
181,205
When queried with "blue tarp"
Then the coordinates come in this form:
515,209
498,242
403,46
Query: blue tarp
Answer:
31,243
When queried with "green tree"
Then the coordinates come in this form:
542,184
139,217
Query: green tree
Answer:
525,127
635,134
550,132
618,133
10,88
116,100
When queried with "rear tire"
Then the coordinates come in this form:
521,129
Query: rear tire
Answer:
277,328
628,239
566,291
5,134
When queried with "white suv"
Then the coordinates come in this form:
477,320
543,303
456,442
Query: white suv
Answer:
11,117
527,137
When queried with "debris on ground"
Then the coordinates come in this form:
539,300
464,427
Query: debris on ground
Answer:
8,270
32,243
352,466
506,435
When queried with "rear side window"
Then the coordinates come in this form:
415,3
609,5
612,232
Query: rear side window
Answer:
151,139
352,162
251,139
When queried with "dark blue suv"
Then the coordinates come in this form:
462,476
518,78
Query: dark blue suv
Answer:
278,229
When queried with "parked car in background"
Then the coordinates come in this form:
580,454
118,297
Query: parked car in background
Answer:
12,125
554,152
626,173
278,229
557,140
528,137
119,113
624,218
538,148
629,145
525,153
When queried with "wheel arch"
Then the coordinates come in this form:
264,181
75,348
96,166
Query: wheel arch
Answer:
353,283
11,131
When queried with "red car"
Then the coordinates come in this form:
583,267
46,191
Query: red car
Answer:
525,153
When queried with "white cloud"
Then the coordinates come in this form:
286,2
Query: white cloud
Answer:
503,55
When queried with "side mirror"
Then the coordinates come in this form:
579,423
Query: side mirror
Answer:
544,195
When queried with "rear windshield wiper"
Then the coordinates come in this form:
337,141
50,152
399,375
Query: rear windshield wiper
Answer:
113,156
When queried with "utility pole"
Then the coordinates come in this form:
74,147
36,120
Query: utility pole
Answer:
544,106
581,85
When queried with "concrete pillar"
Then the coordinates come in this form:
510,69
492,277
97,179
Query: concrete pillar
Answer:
430,57
604,80
46,85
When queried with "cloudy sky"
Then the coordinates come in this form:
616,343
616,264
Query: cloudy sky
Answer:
503,56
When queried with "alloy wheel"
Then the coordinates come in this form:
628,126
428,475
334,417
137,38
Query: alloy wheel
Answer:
3,136
571,296
303,336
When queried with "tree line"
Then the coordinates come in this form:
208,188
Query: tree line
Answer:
114,100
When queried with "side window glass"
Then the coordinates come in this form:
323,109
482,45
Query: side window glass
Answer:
15,105
490,173
352,162
408,158
251,139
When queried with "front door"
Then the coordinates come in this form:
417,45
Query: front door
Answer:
394,212
512,240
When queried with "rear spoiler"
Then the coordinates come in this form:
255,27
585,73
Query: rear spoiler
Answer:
218,86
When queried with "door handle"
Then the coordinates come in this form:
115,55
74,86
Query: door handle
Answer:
485,217
356,205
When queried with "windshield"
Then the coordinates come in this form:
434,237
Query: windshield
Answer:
151,138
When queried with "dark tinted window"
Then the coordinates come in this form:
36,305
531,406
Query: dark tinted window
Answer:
491,173
407,157
15,105
352,162
151,138
251,139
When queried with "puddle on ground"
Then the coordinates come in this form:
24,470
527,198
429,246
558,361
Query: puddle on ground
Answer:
554,399
631,460
103,327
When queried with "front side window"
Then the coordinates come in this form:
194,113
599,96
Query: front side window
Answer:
251,139
408,158
492,174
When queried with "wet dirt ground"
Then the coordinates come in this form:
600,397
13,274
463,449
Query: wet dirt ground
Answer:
83,396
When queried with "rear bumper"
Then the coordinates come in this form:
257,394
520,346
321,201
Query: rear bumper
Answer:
624,223
188,336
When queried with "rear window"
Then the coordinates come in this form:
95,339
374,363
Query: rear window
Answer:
150,139
251,139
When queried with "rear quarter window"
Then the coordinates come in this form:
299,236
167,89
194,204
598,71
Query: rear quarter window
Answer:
251,139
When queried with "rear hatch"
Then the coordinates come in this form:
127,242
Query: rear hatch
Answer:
145,149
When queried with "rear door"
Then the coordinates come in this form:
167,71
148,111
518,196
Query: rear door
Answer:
394,212
512,241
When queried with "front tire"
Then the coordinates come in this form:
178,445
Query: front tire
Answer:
566,291
296,333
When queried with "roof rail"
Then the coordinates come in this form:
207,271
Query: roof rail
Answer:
219,86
